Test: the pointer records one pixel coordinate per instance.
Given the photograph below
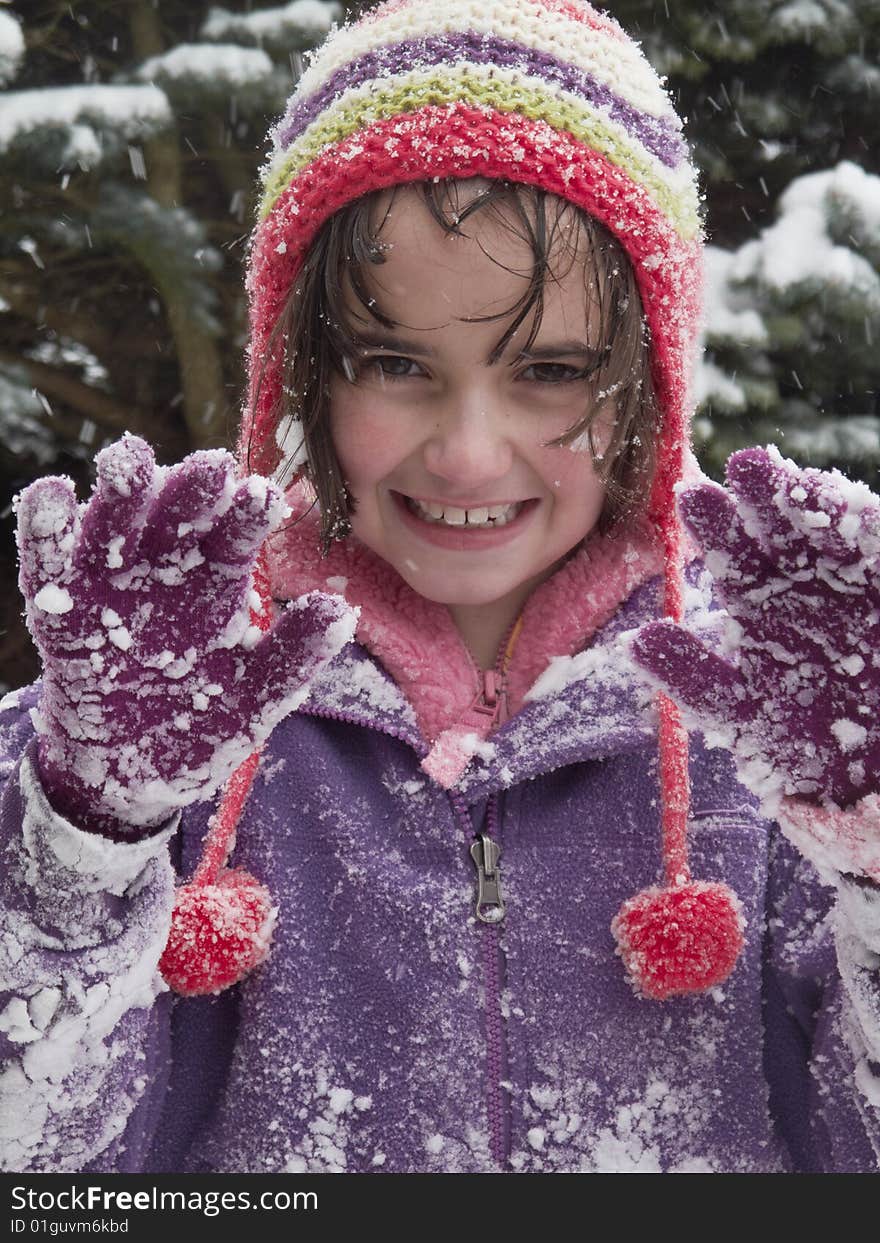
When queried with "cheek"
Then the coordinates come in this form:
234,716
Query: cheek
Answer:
348,444
603,427
571,475
579,497
362,440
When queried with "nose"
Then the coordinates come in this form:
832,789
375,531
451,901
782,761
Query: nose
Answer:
470,443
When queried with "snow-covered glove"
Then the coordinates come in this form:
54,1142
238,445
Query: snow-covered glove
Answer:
156,684
795,554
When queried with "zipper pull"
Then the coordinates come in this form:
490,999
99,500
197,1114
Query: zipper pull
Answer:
485,853
491,701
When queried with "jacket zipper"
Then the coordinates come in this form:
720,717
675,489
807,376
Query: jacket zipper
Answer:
486,853
498,1105
490,932
491,697
484,849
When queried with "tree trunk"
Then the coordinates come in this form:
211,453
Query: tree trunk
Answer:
198,354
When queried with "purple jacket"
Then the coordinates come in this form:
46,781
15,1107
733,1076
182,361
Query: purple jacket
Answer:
391,1031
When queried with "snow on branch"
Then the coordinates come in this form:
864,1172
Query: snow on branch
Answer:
287,27
730,314
811,20
226,66
809,250
84,120
11,48
852,438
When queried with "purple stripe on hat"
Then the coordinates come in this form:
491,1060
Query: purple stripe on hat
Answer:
658,135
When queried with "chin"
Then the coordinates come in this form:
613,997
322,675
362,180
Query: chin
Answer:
441,590
443,593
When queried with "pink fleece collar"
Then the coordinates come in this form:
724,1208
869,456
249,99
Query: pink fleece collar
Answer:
417,642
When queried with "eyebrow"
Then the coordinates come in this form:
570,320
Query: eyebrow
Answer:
560,349
401,345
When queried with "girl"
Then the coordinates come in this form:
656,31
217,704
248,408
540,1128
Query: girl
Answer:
519,925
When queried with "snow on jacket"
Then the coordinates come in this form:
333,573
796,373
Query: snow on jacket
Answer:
389,1029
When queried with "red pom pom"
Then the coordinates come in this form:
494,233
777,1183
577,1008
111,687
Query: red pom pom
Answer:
680,940
218,934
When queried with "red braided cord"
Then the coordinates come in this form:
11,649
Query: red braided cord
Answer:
673,739
220,838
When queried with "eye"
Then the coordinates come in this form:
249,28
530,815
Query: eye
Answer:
554,373
390,366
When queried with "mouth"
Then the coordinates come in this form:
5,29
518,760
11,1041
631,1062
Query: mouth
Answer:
481,518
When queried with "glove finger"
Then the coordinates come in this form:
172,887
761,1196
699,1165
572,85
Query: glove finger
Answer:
868,539
195,492
794,513
861,527
688,672
47,514
310,632
734,559
126,481
257,508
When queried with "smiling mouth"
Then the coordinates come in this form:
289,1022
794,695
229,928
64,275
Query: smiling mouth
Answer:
484,517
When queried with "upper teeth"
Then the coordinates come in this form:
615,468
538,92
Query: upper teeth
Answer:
494,515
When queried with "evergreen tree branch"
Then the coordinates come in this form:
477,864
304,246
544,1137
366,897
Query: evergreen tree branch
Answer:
29,304
89,403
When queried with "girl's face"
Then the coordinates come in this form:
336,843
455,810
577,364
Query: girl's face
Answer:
444,452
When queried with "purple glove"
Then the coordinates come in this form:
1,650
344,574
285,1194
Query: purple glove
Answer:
155,683
796,558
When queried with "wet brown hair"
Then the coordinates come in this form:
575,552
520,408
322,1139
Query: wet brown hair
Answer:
320,342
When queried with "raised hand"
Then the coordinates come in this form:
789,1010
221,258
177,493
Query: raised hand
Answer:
795,554
155,683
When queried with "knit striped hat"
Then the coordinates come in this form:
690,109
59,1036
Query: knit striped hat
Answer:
553,94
